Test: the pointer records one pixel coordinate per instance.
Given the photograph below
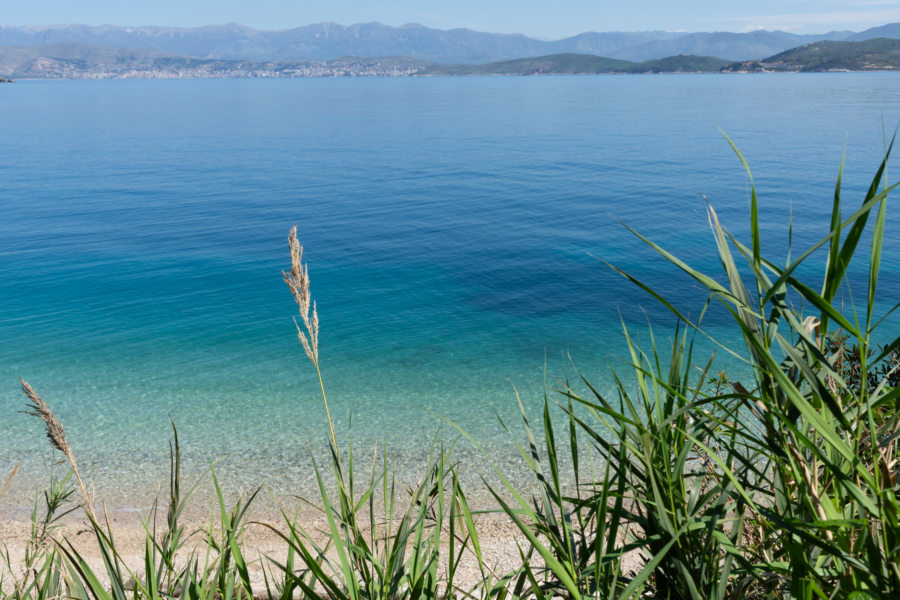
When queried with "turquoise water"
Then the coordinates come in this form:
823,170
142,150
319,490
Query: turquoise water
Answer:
450,225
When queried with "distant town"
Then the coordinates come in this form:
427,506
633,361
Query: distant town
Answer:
56,68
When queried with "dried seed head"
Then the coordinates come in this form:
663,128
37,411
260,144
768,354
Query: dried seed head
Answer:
297,279
39,408
298,282
57,436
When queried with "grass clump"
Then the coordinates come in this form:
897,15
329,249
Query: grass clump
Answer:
781,484
786,485
394,554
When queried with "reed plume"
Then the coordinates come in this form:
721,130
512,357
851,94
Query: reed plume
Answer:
297,279
57,436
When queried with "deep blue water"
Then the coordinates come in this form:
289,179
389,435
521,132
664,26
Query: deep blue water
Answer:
451,228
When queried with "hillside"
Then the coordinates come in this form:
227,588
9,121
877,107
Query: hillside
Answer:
687,63
580,64
555,64
871,55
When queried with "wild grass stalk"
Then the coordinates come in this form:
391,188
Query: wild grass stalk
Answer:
8,481
297,279
395,554
57,436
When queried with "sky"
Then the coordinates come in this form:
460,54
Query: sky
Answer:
537,18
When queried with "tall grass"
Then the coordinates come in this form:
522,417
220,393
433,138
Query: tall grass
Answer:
782,485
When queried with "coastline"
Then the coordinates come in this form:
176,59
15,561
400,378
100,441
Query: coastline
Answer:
266,523
222,77
261,542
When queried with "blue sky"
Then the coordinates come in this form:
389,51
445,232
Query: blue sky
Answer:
537,18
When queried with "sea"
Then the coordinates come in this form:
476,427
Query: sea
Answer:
458,234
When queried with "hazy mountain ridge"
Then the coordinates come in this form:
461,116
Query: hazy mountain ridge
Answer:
726,45
891,30
325,41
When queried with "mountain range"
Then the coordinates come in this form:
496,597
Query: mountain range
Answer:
78,51
85,61
326,41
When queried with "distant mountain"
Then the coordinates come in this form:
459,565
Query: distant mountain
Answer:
731,46
555,64
325,41
201,42
36,61
12,55
581,64
611,43
892,30
322,41
871,55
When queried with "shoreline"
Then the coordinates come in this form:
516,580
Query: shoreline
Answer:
266,522
18,502
116,77
260,543
130,521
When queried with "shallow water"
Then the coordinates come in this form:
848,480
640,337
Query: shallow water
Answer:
452,228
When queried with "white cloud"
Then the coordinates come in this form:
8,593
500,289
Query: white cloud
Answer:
772,26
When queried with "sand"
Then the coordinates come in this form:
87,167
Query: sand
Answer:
499,538
129,515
